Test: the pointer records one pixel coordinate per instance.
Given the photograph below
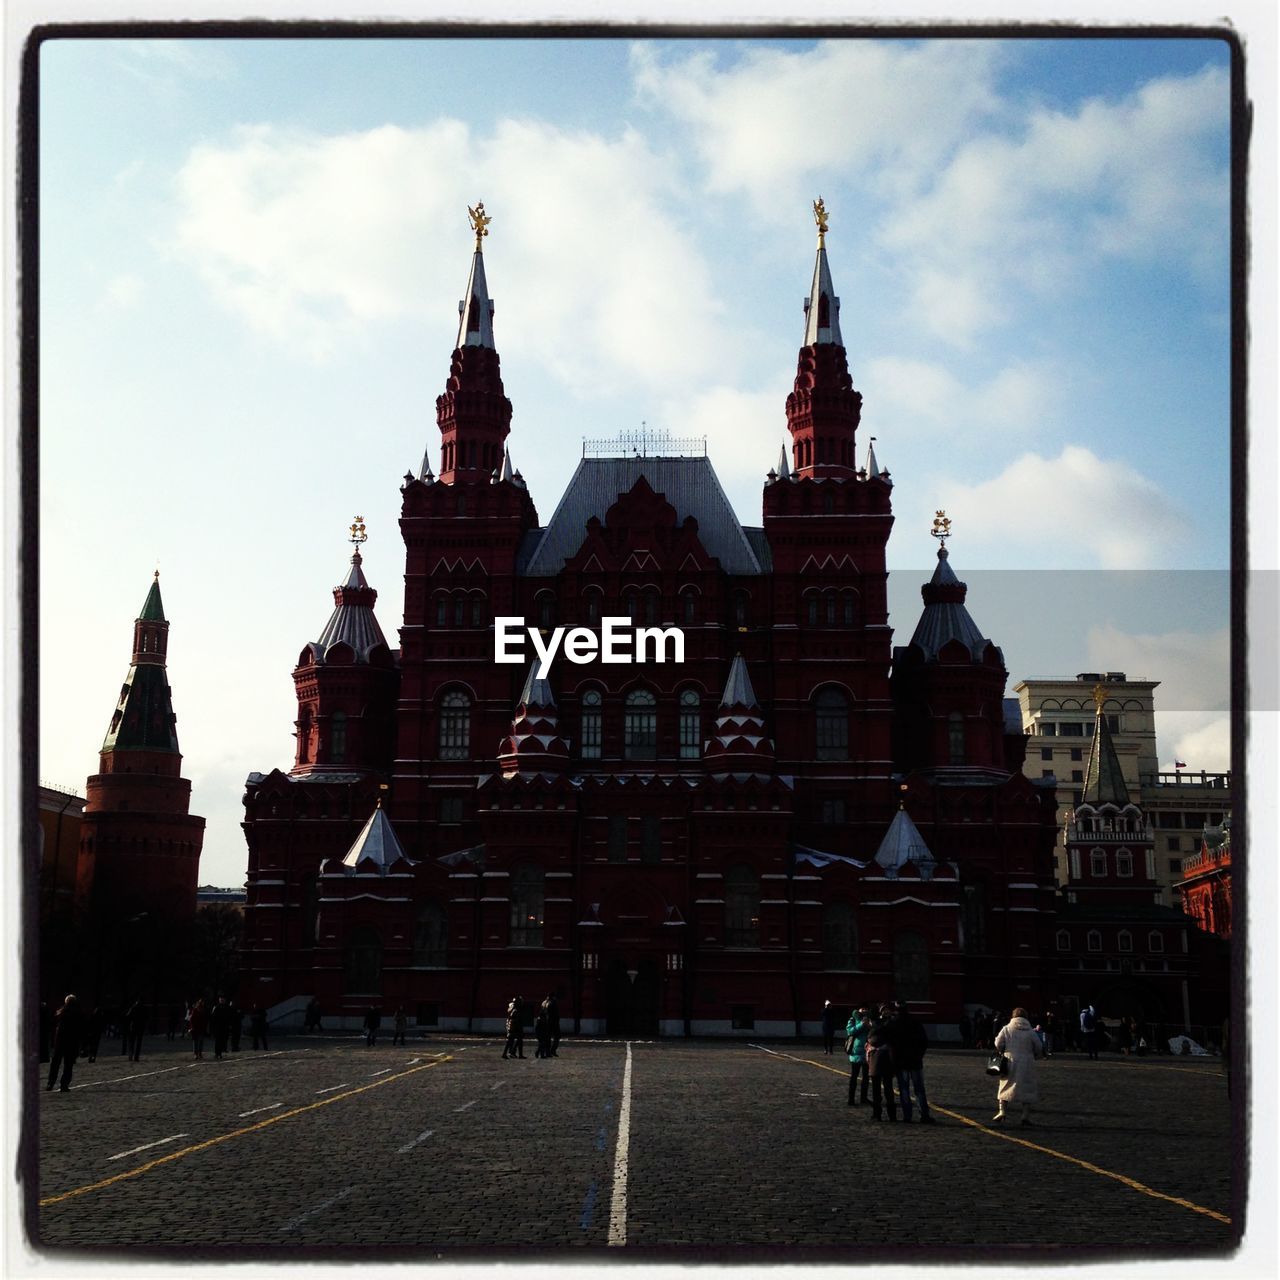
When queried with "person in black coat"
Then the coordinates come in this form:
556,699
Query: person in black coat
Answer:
880,1068
828,1027
515,1029
910,1044
372,1021
258,1026
135,1027
220,1025
68,1030
552,1006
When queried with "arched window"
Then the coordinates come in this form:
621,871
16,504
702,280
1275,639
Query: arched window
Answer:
1097,862
741,908
652,599
459,610
850,606
477,611
839,936
811,608
629,603
1093,940
690,725
741,604
546,610
462,504
1124,863
910,966
455,726
1064,940
688,606
591,725
304,736
829,605
640,726
832,725
592,611
955,737
442,611
430,936
338,737
1155,941
526,907
1124,940
362,967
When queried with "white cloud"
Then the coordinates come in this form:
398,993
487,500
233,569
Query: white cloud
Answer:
1077,510
1206,747
744,432
122,291
314,238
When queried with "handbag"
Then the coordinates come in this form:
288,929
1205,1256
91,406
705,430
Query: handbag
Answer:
998,1065
848,1045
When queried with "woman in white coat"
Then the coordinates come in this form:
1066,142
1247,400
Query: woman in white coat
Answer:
1020,1044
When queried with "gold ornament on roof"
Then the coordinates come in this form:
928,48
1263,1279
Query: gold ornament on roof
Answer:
479,222
358,534
820,217
1099,696
941,527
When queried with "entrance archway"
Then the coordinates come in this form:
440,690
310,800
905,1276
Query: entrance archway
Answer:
631,1003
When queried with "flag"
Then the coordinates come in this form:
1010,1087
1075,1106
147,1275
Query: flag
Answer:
1179,764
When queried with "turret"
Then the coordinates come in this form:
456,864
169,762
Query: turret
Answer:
740,745
534,744
823,409
474,414
346,683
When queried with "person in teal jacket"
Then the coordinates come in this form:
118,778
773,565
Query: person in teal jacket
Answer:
856,1031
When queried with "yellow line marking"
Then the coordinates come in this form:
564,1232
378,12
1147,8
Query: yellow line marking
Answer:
236,1133
1048,1151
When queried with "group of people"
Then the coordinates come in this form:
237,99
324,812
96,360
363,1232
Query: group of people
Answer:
886,1047
546,1028
75,1033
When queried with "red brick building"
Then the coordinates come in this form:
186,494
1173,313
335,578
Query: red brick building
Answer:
1206,887
796,812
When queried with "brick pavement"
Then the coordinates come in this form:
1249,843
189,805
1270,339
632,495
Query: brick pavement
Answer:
443,1145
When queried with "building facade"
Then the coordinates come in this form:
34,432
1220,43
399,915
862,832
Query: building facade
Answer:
798,811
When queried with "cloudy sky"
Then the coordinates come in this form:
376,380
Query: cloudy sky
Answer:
252,254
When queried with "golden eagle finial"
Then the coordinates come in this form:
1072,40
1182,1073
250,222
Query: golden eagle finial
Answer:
820,217
479,222
941,527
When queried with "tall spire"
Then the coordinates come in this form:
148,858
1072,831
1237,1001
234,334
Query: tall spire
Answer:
1103,780
740,745
474,414
823,409
534,744
143,718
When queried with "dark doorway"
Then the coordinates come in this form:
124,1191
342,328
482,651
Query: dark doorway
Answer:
631,1004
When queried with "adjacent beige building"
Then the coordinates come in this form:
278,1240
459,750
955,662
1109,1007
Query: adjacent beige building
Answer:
1058,715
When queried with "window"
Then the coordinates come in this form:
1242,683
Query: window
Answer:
1113,723
1064,940
1046,773
910,966
974,918
1097,863
1155,941
832,725
1046,753
310,910
593,608
830,601
546,611
526,907
955,737
688,606
430,935
651,602
451,809
741,908
640,726
740,608
1071,729
442,615
459,611
477,611
455,726
850,609
338,737
1077,775
1124,863
1124,940
811,608
590,727
1175,866
1077,753
1093,940
1048,730
617,837
833,810
690,725
651,839
839,936
362,962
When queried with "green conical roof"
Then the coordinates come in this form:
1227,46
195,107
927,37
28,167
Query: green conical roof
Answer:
144,719
152,609
1104,780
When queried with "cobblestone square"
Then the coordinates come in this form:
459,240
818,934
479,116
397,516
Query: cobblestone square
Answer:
668,1147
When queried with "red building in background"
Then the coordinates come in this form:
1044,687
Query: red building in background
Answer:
797,812
1206,887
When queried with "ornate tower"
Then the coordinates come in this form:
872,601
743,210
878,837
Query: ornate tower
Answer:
823,410
346,684
474,413
140,847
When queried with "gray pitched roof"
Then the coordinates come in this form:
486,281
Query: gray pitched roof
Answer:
377,842
689,484
737,690
903,843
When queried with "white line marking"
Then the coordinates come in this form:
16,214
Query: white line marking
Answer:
465,1105
422,1137
320,1208
618,1208
412,1061
270,1107
146,1146
498,1085
383,1072
93,1084
333,1088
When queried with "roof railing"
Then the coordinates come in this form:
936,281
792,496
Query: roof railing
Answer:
646,443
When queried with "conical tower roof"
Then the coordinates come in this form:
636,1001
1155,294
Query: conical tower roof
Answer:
740,744
143,719
903,844
352,621
534,744
152,609
945,617
1104,780
377,846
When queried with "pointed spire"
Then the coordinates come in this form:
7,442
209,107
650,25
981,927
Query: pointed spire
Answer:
740,745
425,474
737,690
475,327
144,719
822,307
903,844
152,609
873,468
945,617
505,471
784,464
352,621
377,848
534,744
1104,779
